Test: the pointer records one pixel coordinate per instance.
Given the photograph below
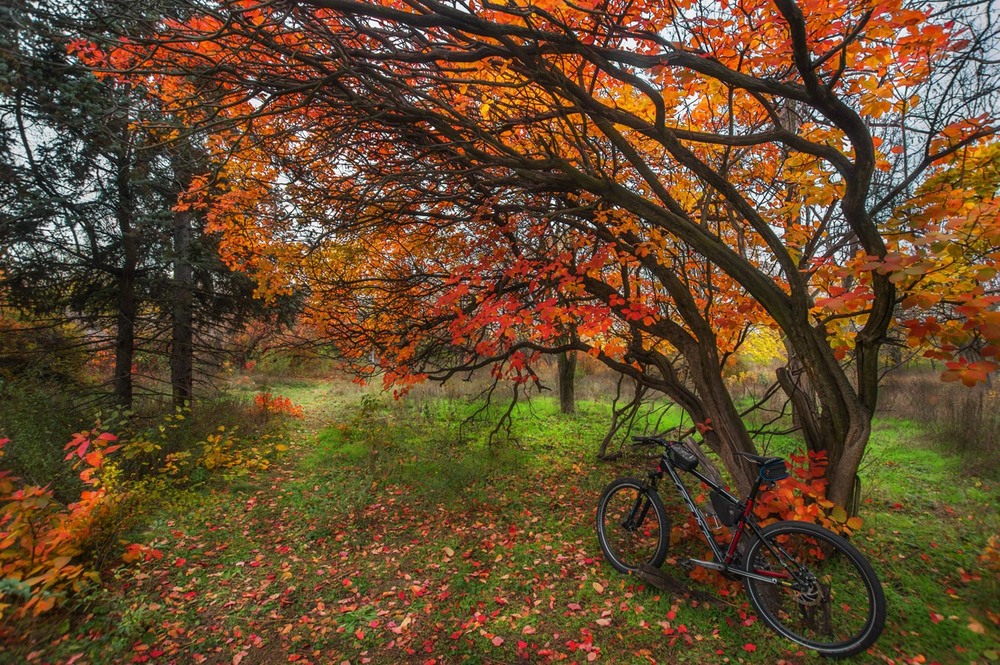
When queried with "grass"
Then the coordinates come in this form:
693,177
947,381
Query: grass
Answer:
398,532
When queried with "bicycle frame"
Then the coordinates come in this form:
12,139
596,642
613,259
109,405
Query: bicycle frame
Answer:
723,560
806,582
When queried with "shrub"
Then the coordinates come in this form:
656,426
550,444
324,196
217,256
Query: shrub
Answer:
41,539
802,497
179,443
277,405
37,417
54,354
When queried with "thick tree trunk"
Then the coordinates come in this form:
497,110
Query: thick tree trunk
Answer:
566,369
182,332
836,419
721,426
843,473
727,436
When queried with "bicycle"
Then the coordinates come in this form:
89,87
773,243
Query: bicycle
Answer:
807,583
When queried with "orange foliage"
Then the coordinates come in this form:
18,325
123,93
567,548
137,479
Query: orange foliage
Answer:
641,181
802,497
40,538
277,405
875,70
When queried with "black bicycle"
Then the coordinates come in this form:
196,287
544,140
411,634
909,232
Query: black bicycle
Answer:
807,583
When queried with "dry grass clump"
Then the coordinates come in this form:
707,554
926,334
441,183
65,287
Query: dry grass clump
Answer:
962,420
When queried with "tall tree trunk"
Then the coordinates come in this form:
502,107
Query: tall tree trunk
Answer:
127,305
715,415
125,328
182,332
566,369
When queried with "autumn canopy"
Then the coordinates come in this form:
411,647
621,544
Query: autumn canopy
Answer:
464,184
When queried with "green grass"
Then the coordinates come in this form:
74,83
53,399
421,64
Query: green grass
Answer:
402,532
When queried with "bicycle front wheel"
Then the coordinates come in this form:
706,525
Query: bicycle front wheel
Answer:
632,525
817,589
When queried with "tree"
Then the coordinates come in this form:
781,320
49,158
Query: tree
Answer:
566,373
93,228
467,184
75,216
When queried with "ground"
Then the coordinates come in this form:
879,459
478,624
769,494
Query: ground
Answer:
390,533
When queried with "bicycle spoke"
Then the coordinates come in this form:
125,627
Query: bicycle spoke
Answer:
631,527
830,603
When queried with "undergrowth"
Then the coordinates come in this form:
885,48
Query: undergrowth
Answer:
403,532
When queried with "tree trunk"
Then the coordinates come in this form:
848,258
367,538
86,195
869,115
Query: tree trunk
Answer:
127,305
805,414
721,426
125,333
182,331
836,419
566,369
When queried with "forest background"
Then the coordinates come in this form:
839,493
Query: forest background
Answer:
766,226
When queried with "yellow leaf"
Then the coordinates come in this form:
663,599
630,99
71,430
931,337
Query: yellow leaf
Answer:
60,562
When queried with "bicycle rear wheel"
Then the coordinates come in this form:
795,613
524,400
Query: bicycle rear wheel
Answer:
632,525
827,597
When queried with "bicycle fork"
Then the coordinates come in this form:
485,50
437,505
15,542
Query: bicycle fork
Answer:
640,509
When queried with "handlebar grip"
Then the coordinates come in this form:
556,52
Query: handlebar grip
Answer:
647,441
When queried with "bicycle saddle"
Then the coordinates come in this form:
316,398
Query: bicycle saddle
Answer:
762,460
769,469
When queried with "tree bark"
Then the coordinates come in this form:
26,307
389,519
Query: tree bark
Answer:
127,305
566,368
182,329
125,324
805,414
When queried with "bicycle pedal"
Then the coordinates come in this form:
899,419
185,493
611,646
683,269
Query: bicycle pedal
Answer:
685,564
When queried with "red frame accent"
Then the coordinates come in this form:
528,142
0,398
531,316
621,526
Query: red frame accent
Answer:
739,532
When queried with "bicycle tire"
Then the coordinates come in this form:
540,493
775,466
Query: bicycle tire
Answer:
840,613
646,540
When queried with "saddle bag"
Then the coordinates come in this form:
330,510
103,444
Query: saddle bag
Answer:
773,470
